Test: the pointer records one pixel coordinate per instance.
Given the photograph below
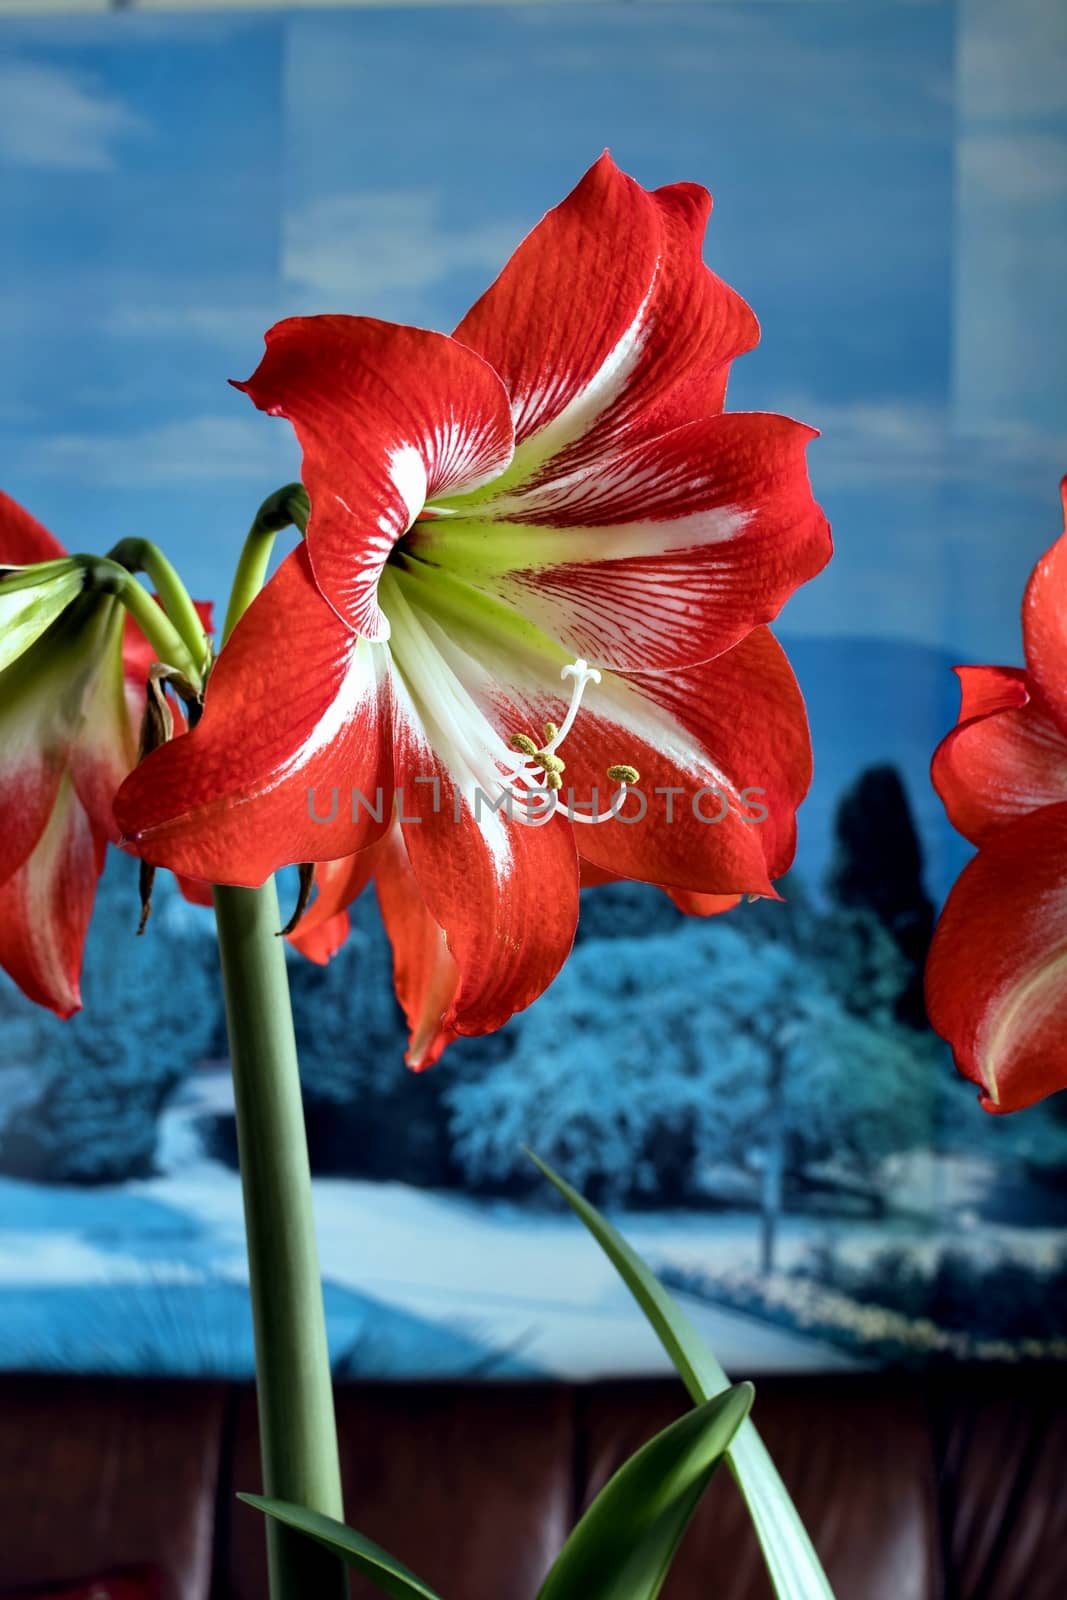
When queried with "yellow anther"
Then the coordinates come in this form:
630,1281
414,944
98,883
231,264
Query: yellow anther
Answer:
623,774
547,760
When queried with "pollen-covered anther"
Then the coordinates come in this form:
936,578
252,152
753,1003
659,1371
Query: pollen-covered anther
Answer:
623,774
550,764
550,732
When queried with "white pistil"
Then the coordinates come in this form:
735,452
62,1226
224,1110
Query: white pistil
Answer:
539,775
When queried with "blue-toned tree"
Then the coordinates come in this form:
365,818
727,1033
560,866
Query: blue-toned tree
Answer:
93,1088
653,1063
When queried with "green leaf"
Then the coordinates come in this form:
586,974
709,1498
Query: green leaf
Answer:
794,1567
363,1555
624,1544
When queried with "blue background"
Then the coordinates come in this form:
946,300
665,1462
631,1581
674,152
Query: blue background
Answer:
891,197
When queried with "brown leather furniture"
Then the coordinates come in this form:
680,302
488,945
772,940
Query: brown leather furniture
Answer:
943,1487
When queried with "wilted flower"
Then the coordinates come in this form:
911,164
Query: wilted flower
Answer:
73,670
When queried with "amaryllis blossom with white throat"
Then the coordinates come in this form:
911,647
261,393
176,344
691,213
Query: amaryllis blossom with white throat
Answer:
537,572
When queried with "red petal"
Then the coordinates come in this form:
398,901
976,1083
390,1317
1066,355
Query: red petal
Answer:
732,736
62,709
666,554
23,541
425,975
603,314
31,770
45,907
105,749
295,725
321,943
323,928
996,980
694,905
734,724
594,877
697,325
506,895
386,416
1006,756
984,690
196,891
704,905
1045,624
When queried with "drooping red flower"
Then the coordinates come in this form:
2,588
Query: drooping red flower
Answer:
536,575
996,979
73,670
426,975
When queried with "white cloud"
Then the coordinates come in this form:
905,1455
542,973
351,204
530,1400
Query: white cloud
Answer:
234,323
934,526
1014,168
109,295
869,445
378,253
880,445
1012,58
895,87
205,449
59,120
1010,345
365,250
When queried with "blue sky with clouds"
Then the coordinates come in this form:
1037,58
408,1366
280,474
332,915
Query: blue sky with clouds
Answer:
890,196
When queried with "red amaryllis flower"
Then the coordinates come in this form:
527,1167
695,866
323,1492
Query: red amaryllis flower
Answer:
73,671
996,980
538,564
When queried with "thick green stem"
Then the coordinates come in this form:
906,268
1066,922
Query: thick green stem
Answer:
285,508
298,1430
298,1437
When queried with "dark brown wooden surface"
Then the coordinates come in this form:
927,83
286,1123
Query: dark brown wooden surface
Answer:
941,1488
470,1486
856,1457
99,1474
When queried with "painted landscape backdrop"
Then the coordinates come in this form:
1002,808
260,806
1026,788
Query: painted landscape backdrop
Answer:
756,1099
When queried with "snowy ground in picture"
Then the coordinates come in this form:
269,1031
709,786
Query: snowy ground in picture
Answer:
151,1276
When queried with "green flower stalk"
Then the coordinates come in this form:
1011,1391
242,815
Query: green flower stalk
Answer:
297,1426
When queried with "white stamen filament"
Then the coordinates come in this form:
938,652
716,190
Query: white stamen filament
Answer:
529,775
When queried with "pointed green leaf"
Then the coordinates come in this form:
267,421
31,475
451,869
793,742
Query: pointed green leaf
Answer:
624,1544
361,1554
794,1567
